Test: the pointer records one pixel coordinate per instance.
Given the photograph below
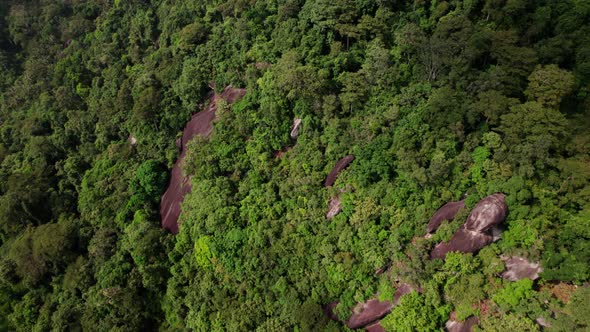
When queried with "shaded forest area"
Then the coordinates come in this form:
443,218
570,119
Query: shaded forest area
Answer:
436,100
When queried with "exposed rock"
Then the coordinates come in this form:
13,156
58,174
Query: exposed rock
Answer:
477,232
368,312
132,140
329,310
401,290
334,207
454,325
375,327
496,232
542,322
295,128
200,124
519,268
463,240
340,165
363,314
262,65
446,212
488,212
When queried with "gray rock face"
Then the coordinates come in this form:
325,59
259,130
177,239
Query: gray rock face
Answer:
446,212
487,213
519,268
457,326
463,240
334,207
295,128
132,140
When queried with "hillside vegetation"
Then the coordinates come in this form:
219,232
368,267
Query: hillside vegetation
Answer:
436,100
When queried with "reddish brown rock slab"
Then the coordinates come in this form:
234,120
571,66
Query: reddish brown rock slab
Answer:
402,290
519,268
446,212
340,165
463,240
329,310
363,314
334,207
200,124
468,325
368,312
375,327
488,212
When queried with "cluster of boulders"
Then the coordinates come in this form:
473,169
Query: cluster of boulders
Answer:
477,231
481,228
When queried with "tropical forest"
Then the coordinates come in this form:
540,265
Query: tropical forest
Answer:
295,165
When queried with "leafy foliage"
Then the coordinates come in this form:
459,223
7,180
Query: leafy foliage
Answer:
435,99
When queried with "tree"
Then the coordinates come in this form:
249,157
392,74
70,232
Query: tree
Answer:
414,313
533,134
549,84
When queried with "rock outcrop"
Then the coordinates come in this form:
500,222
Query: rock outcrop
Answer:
463,240
454,325
487,213
132,140
446,212
369,313
375,327
334,207
295,128
340,165
200,124
402,290
519,268
477,232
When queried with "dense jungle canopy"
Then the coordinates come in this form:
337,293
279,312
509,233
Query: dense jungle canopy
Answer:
434,102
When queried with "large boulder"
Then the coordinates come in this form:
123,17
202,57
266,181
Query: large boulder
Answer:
334,207
340,165
368,312
519,268
480,229
453,325
487,213
200,124
446,212
463,240
401,290
295,128
375,327
363,314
